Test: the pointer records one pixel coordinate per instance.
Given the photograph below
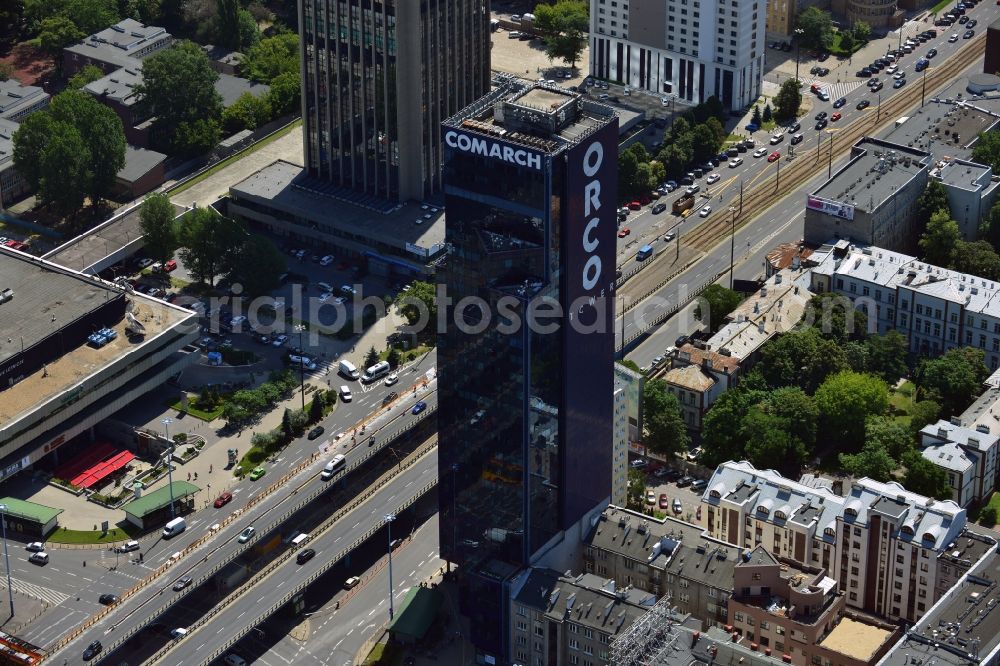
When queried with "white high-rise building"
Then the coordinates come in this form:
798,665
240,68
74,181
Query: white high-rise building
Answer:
688,49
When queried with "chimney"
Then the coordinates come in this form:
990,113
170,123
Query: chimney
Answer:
706,363
760,326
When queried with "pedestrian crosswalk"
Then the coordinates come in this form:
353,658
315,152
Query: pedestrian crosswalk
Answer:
46,594
835,90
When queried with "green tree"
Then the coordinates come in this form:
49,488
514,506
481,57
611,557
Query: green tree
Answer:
788,100
988,516
258,266
768,115
178,88
394,358
675,159
144,11
887,356
769,443
56,33
873,461
924,477
30,141
247,112
565,25
862,32
953,379
158,228
630,364
922,414
817,26
847,42
88,74
704,143
371,358
227,17
719,302
797,409
991,226
422,297
889,433
722,428
636,489
718,130
36,11
316,408
249,31
987,150
801,358
102,131
65,173
6,70
857,355
272,57
977,258
206,237
196,137
283,97
287,428
845,400
756,118
91,16
939,242
934,198
664,426
836,317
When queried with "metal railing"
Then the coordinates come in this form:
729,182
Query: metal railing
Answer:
666,312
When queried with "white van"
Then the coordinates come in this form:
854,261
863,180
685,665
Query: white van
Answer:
174,527
333,467
348,370
300,539
376,371
345,394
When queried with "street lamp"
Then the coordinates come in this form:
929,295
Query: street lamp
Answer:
302,363
388,523
732,247
454,482
829,168
10,588
169,458
798,44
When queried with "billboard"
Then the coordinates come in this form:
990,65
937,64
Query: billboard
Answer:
835,208
489,147
588,238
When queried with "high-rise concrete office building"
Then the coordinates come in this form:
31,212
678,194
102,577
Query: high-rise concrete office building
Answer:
526,356
378,78
685,49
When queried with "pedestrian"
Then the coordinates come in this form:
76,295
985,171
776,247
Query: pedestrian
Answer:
209,469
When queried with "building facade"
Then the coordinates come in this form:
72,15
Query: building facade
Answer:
698,377
883,542
374,96
968,456
531,220
685,49
879,14
121,45
619,448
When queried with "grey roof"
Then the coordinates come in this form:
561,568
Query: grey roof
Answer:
119,85
962,628
15,96
932,523
536,588
963,174
44,299
876,171
925,128
139,162
231,87
671,545
121,43
7,129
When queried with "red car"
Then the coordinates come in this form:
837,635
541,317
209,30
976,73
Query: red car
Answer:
635,205
835,117
664,501
170,266
16,245
623,232
774,157
223,500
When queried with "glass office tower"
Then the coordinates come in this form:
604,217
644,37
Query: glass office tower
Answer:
525,353
378,78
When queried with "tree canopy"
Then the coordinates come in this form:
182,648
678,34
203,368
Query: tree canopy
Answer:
272,57
939,243
801,358
565,25
666,432
719,302
817,26
987,150
788,100
845,400
924,477
954,378
158,227
103,133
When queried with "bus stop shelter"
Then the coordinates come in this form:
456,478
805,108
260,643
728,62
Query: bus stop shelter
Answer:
28,518
154,508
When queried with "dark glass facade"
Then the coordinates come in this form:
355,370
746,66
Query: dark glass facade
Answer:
523,454
377,80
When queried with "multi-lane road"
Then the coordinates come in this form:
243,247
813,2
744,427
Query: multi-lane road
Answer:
782,221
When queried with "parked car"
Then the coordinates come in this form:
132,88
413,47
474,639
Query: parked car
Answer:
699,485
678,507
664,501
223,499
685,481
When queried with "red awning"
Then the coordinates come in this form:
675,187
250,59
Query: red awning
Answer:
101,470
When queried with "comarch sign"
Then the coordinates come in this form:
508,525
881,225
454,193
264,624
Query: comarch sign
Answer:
487,148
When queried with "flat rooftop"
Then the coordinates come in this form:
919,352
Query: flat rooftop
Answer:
962,628
877,169
544,118
961,174
116,233
41,292
932,128
284,186
120,43
118,86
856,639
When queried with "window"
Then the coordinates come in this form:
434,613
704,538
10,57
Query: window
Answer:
574,644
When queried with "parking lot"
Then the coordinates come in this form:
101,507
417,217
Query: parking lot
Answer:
672,491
